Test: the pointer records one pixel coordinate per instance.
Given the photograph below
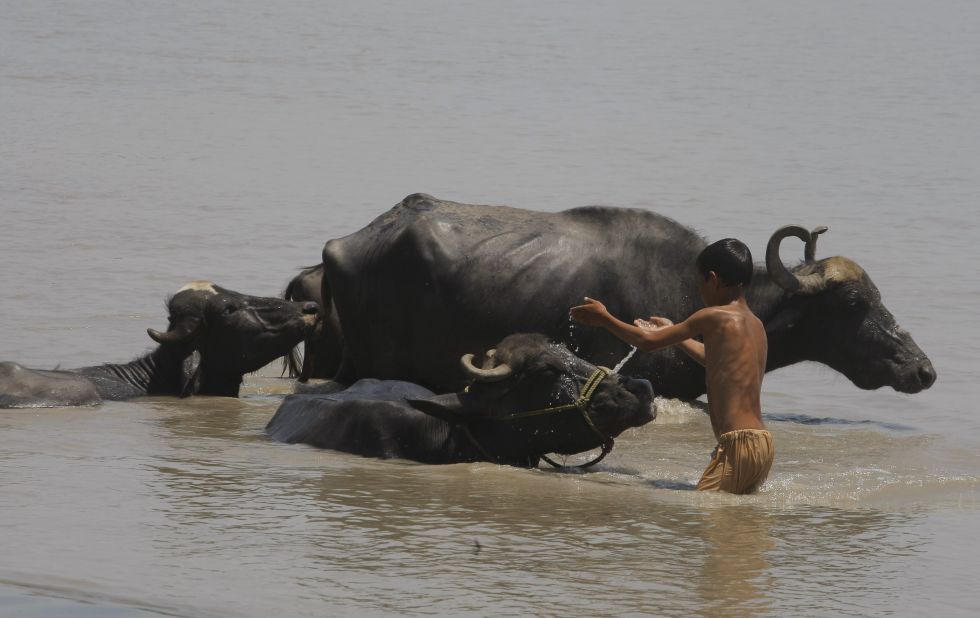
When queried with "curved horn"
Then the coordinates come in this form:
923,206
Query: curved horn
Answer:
500,372
781,275
810,252
181,332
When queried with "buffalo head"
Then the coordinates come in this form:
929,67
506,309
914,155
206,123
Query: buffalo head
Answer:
525,373
232,334
835,316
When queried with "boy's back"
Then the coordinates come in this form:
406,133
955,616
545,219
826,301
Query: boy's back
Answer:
735,362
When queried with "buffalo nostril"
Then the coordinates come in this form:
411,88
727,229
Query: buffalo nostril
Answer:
639,386
927,375
311,307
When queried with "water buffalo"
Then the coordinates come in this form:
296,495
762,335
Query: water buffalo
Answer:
215,336
520,406
430,279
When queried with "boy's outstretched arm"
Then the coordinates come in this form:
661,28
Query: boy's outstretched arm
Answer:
691,347
594,313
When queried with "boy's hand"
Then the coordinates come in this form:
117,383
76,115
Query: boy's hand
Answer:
653,323
592,313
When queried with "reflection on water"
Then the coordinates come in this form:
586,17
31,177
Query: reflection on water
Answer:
829,420
54,598
736,576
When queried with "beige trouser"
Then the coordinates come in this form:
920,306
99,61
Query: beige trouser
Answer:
740,463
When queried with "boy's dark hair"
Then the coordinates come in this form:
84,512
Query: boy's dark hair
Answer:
730,259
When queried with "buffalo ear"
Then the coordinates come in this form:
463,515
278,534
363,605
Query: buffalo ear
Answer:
448,408
190,374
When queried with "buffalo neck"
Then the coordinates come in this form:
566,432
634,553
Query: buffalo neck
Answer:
776,309
496,443
158,373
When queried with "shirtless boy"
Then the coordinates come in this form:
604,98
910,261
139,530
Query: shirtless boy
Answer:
733,355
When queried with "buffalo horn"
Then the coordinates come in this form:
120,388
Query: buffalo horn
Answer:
495,374
810,252
806,284
181,332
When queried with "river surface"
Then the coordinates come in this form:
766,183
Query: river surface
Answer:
144,145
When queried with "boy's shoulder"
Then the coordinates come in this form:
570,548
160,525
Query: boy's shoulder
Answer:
705,320
718,316
712,313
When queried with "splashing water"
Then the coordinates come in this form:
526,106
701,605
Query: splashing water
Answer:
571,336
677,411
626,358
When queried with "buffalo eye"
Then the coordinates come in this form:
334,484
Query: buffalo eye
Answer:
546,373
229,309
856,301
854,298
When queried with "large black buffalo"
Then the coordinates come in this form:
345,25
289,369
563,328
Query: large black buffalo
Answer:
430,279
215,336
528,398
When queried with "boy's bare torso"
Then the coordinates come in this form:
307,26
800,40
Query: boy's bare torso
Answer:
735,349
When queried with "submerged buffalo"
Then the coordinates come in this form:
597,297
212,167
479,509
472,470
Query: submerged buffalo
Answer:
215,336
530,397
430,279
